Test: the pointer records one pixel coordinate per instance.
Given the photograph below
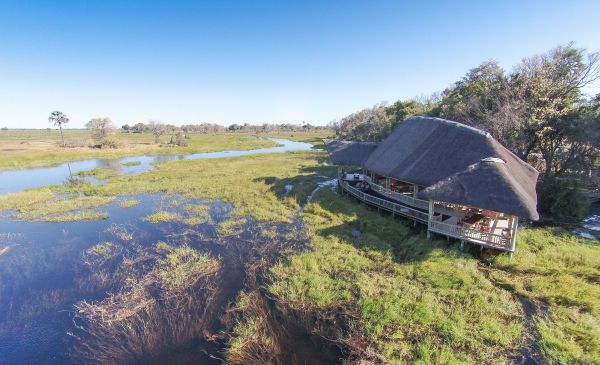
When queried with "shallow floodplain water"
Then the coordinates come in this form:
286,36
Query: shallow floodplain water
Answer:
590,226
41,277
17,180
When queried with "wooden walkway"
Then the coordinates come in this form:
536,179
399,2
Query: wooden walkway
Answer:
387,205
492,240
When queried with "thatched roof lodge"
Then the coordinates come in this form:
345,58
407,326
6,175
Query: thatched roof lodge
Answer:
457,179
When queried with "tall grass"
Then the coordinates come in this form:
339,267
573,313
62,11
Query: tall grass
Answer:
153,312
560,272
415,300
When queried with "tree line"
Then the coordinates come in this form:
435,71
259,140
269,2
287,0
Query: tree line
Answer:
103,129
538,110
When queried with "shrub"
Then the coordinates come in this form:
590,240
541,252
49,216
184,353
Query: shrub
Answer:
108,143
562,200
75,143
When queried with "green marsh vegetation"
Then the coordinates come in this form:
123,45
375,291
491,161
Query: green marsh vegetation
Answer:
156,307
368,282
421,301
170,295
35,148
46,204
162,216
98,173
128,203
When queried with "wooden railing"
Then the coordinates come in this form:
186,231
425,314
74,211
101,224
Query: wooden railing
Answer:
452,230
386,204
473,235
412,201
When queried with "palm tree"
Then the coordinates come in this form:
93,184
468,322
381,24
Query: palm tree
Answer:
59,118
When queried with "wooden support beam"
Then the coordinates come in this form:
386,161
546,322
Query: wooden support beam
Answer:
515,227
429,217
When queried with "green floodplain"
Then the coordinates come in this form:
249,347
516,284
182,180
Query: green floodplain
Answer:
366,282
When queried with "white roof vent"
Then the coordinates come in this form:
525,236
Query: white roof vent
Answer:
493,160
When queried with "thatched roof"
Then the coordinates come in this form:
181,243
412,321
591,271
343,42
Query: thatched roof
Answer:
349,153
427,151
487,184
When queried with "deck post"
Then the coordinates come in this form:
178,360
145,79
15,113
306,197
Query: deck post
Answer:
514,235
415,191
429,218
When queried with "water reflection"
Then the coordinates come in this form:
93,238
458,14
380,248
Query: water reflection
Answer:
114,165
41,274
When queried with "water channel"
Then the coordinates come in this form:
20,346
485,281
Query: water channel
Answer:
16,180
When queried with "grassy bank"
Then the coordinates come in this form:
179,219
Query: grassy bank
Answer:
421,301
255,184
35,148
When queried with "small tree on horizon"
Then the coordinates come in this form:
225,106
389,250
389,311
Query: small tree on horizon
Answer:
101,128
157,128
59,118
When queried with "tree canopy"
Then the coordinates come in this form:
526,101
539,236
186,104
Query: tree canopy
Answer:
538,110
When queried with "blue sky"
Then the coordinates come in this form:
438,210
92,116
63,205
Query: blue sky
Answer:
258,61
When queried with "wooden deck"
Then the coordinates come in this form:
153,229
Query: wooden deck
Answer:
420,213
472,235
392,207
402,198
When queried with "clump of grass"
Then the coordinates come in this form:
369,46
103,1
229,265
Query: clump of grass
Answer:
198,210
101,249
73,217
154,311
120,231
163,247
162,216
100,254
129,203
182,265
27,199
54,206
98,173
131,163
231,226
42,204
198,214
251,339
